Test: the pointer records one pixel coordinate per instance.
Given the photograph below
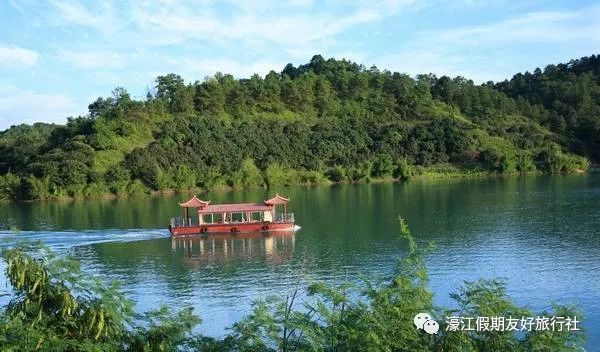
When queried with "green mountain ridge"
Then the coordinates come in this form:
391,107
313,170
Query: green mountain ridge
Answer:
327,120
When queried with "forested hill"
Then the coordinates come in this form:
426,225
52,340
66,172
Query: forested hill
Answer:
325,120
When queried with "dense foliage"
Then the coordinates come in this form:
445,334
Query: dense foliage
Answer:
328,120
54,307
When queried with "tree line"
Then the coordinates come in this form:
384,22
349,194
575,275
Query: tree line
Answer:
324,121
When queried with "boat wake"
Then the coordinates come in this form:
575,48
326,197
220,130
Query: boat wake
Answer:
68,239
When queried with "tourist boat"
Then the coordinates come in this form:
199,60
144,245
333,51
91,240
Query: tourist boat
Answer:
232,218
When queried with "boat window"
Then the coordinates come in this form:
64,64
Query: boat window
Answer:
236,217
218,218
256,216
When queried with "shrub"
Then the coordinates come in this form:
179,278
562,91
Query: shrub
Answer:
383,165
337,174
96,189
277,175
9,186
36,188
403,170
247,176
117,180
182,177
311,177
137,188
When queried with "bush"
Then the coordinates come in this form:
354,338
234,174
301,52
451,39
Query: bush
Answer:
553,160
383,165
161,180
403,170
182,177
361,172
96,189
277,175
247,176
311,177
337,174
137,188
214,180
54,307
117,180
36,188
9,186
525,162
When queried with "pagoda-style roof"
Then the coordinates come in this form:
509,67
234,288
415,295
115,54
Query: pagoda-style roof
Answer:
277,200
235,208
194,202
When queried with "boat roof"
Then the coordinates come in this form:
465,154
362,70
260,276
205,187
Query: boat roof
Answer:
277,200
204,207
194,202
235,208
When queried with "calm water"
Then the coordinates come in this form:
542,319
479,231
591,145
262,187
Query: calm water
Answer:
541,233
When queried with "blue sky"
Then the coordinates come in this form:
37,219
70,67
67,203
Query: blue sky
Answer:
58,56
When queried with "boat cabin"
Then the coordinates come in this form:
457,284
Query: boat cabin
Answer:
239,217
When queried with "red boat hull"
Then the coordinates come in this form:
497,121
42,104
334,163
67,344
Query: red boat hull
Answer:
230,228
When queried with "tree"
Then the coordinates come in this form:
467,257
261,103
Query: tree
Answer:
172,90
383,165
9,186
248,175
54,307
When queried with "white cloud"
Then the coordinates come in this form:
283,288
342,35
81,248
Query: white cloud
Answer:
251,22
25,106
536,27
102,18
94,59
494,51
16,56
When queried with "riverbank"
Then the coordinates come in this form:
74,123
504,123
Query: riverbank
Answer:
292,177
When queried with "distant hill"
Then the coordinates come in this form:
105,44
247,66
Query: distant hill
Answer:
326,120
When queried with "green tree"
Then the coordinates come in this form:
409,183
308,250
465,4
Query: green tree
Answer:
277,175
117,180
383,165
183,177
172,90
9,186
337,174
54,307
403,170
248,175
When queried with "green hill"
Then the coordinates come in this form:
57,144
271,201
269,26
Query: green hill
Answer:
326,120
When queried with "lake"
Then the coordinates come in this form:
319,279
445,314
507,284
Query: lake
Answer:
541,233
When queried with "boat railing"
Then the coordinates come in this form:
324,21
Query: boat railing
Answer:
284,217
189,222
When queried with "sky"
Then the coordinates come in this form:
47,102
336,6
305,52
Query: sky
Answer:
56,57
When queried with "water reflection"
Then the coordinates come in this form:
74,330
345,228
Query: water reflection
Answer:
200,251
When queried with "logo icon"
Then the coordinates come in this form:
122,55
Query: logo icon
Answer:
425,321
431,327
420,319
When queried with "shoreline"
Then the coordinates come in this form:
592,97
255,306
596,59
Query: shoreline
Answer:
425,175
